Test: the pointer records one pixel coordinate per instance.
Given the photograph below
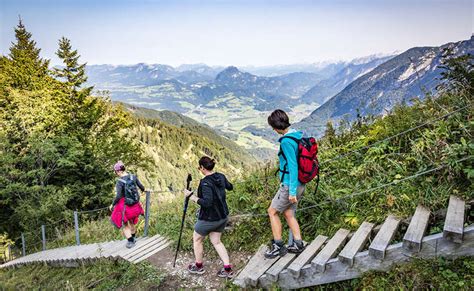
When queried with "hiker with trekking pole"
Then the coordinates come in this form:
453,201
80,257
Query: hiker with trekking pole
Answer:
126,207
212,217
298,165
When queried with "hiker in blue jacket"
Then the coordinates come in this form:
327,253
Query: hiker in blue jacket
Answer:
290,191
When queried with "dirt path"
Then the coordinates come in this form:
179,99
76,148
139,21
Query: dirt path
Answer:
180,278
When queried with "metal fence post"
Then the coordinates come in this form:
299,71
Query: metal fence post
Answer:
43,236
76,227
147,213
23,246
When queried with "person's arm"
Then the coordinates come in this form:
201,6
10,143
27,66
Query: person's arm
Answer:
207,198
292,165
228,185
139,184
118,191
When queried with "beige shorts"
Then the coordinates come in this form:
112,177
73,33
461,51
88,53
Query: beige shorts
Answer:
281,202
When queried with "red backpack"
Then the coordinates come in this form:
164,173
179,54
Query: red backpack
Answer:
308,165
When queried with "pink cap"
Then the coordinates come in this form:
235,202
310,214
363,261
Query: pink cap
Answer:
119,166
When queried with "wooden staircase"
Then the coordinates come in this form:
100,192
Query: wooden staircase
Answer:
73,256
340,258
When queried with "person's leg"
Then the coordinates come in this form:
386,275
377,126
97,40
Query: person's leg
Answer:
133,230
275,223
292,223
127,232
215,238
198,247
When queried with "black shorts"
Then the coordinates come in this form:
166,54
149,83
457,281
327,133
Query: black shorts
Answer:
204,227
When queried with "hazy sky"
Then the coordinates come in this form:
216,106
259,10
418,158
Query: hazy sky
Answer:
235,32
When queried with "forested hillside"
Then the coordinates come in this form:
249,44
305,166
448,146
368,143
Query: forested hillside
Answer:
58,142
175,152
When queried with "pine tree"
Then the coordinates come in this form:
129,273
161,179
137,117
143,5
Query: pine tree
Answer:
330,132
73,73
25,69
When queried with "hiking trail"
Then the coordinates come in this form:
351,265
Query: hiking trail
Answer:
348,255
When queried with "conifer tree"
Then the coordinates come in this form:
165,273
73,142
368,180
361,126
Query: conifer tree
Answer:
26,68
73,73
330,132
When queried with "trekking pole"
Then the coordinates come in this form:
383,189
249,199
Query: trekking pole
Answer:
186,202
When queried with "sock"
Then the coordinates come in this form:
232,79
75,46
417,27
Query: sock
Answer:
228,268
133,235
279,242
130,239
199,265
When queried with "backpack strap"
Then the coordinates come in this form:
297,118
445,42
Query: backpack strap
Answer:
281,153
290,137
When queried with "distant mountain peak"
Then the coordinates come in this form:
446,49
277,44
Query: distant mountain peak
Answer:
230,72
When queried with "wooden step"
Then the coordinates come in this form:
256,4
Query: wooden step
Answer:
152,252
146,248
329,251
384,236
416,230
280,265
434,246
119,249
307,255
254,266
140,246
356,243
454,223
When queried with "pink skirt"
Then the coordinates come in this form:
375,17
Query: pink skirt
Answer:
122,213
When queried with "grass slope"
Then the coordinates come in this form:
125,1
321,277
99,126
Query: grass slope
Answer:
102,275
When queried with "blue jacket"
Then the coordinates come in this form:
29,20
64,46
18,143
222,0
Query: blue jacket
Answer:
290,150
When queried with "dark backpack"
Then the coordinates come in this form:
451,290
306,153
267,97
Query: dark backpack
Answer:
130,190
308,165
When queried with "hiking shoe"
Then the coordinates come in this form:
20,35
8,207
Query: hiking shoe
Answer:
193,269
225,274
296,248
130,244
275,250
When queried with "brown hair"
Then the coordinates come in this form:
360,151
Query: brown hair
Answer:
279,120
207,163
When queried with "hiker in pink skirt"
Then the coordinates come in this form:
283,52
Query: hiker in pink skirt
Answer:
126,207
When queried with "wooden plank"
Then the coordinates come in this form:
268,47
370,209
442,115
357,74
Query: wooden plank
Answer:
279,266
121,250
433,246
142,246
384,236
242,279
416,230
329,251
454,223
86,252
151,253
118,245
144,250
307,255
356,243
260,269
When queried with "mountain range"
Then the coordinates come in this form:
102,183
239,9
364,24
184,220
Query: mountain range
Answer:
235,102
412,74
231,100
